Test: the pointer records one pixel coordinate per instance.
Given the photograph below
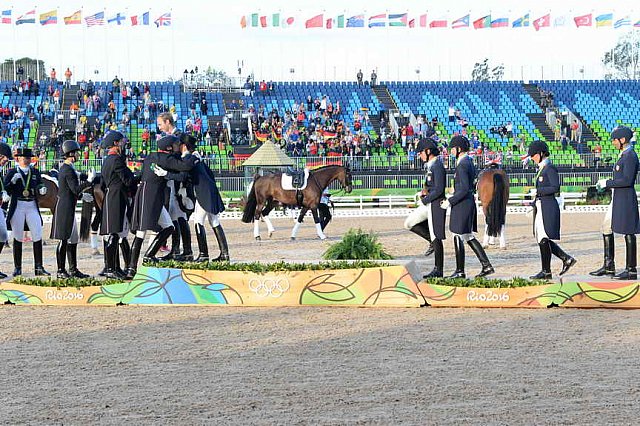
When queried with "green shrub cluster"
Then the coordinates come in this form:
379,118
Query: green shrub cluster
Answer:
487,282
357,244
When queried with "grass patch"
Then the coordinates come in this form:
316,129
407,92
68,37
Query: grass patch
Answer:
357,244
68,282
261,268
487,282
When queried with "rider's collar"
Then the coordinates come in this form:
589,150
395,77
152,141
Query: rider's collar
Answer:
543,163
433,160
24,169
461,156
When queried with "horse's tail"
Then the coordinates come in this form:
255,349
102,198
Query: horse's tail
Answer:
85,220
250,206
498,208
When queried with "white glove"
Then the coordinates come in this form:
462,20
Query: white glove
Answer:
445,205
15,177
525,162
43,190
159,171
182,192
533,192
91,176
601,184
87,198
197,155
5,197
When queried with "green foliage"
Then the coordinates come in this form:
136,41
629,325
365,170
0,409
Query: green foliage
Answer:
357,244
261,268
68,282
487,283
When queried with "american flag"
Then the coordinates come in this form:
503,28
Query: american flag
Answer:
164,20
97,19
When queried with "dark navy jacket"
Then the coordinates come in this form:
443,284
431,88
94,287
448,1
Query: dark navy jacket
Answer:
463,218
435,182
624,217
547,187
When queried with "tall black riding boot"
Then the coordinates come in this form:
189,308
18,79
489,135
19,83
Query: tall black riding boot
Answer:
458,245
2,276
630,272
439,259
111,249
61,257
222,244
132,267
185,234
37,259
422,230
104,256
487,269
203,247
17,258
72,257
609,265
160,239
125,250
175,243
545,258
567,261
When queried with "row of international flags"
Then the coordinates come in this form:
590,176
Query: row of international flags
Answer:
406,20
76,18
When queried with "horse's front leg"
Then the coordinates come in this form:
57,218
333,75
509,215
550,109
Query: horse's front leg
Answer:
316,219
265,212
294,231
485,239
503,237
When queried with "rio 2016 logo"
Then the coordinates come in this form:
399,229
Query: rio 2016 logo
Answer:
487,296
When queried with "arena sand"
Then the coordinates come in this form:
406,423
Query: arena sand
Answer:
183,365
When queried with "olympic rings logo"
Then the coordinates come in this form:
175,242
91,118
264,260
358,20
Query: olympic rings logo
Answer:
274,287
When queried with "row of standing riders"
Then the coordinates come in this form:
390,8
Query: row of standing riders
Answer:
175,170
428,219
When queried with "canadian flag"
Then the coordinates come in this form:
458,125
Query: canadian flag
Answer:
583,21
543,21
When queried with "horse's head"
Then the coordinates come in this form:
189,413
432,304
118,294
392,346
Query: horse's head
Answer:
347,179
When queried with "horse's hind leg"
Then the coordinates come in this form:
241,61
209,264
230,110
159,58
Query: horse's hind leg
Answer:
265,217
316,219
485,239
503,237
294,231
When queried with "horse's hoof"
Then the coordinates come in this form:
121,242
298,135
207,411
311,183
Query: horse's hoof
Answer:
270,234
293,238
258,238
485,246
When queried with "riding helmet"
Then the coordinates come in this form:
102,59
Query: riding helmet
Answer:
460,142
167,143
538,147
622,132
5,150
188,140
24,152
111,138
69,147
427,143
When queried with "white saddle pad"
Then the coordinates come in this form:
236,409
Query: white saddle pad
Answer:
51,179
287,181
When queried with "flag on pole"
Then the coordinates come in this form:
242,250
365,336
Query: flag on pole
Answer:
604,20
140,19
560,21
438,23
484,22
356,21
263,21
243,22
315,22
541,22
623,22
96,19
164,20
118,18
500,23
49,18
398,20
583,20
27,18
275,20
74,19
6,16
461,22
287,22
521,22
377,20
637,24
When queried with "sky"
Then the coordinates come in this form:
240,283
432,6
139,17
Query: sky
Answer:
208,33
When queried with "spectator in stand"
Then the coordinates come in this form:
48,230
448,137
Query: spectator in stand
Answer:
564,142
115,83
452,113
52,75
359,77
67,77
574,131
374,78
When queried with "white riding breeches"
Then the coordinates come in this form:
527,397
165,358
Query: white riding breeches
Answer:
26,211
4,235
200,215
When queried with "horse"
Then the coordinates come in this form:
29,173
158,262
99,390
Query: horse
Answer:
493,192
86,224
49,200
265,190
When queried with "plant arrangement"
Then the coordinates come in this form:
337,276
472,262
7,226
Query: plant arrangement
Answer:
357,244
67,282
261,268
487,282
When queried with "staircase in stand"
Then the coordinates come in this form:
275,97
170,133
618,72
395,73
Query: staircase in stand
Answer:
69,96
385,98
540,121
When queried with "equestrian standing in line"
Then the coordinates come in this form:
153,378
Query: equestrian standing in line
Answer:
428,219
547,212
5,156
208,203
117,178
622,215
64,226
463,221
23,184
149,212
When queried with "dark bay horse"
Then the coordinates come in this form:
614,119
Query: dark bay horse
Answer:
493,192
266,190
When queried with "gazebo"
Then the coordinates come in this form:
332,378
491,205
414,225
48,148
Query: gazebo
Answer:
268,158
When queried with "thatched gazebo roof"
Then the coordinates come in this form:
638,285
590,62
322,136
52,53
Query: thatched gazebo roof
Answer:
268,155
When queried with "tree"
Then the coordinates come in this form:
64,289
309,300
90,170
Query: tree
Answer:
30,67
622,60
481,71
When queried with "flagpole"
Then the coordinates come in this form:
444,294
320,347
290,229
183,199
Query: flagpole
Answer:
106,49
173,45
84,48
15,71
37,50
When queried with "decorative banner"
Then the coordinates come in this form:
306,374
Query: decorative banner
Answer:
6,16
27,18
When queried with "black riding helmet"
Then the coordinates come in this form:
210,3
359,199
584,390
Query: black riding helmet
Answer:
24,152
428,143
69,147
5,150
460,142
622,132
538,147
189,141
167,143
111,138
